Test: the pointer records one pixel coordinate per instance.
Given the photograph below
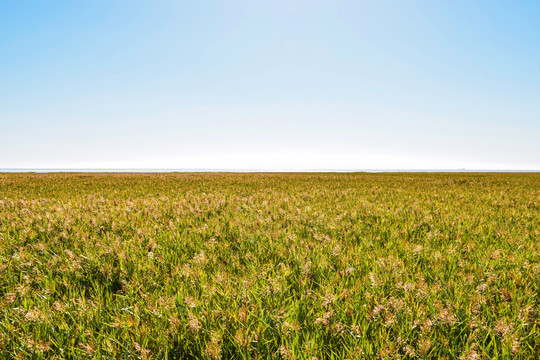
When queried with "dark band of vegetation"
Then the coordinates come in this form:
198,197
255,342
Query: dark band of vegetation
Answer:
269,266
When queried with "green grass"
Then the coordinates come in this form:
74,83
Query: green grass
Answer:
269,266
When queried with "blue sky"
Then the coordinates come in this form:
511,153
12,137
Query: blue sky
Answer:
260,84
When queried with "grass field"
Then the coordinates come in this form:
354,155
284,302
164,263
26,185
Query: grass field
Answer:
269,266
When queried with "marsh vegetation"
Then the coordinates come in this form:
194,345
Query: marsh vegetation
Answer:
269,266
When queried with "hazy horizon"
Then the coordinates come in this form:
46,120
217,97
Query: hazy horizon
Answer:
274,85
230,170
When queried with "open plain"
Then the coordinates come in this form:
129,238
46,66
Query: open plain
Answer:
270,266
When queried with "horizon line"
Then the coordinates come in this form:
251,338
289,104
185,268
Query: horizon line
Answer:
224,170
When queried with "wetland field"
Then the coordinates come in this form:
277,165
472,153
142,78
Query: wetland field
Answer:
269,266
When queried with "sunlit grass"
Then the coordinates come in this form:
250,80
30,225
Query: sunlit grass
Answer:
291,266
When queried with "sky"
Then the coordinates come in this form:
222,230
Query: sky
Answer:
270,84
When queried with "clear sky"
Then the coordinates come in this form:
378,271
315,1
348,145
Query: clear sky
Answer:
270,84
